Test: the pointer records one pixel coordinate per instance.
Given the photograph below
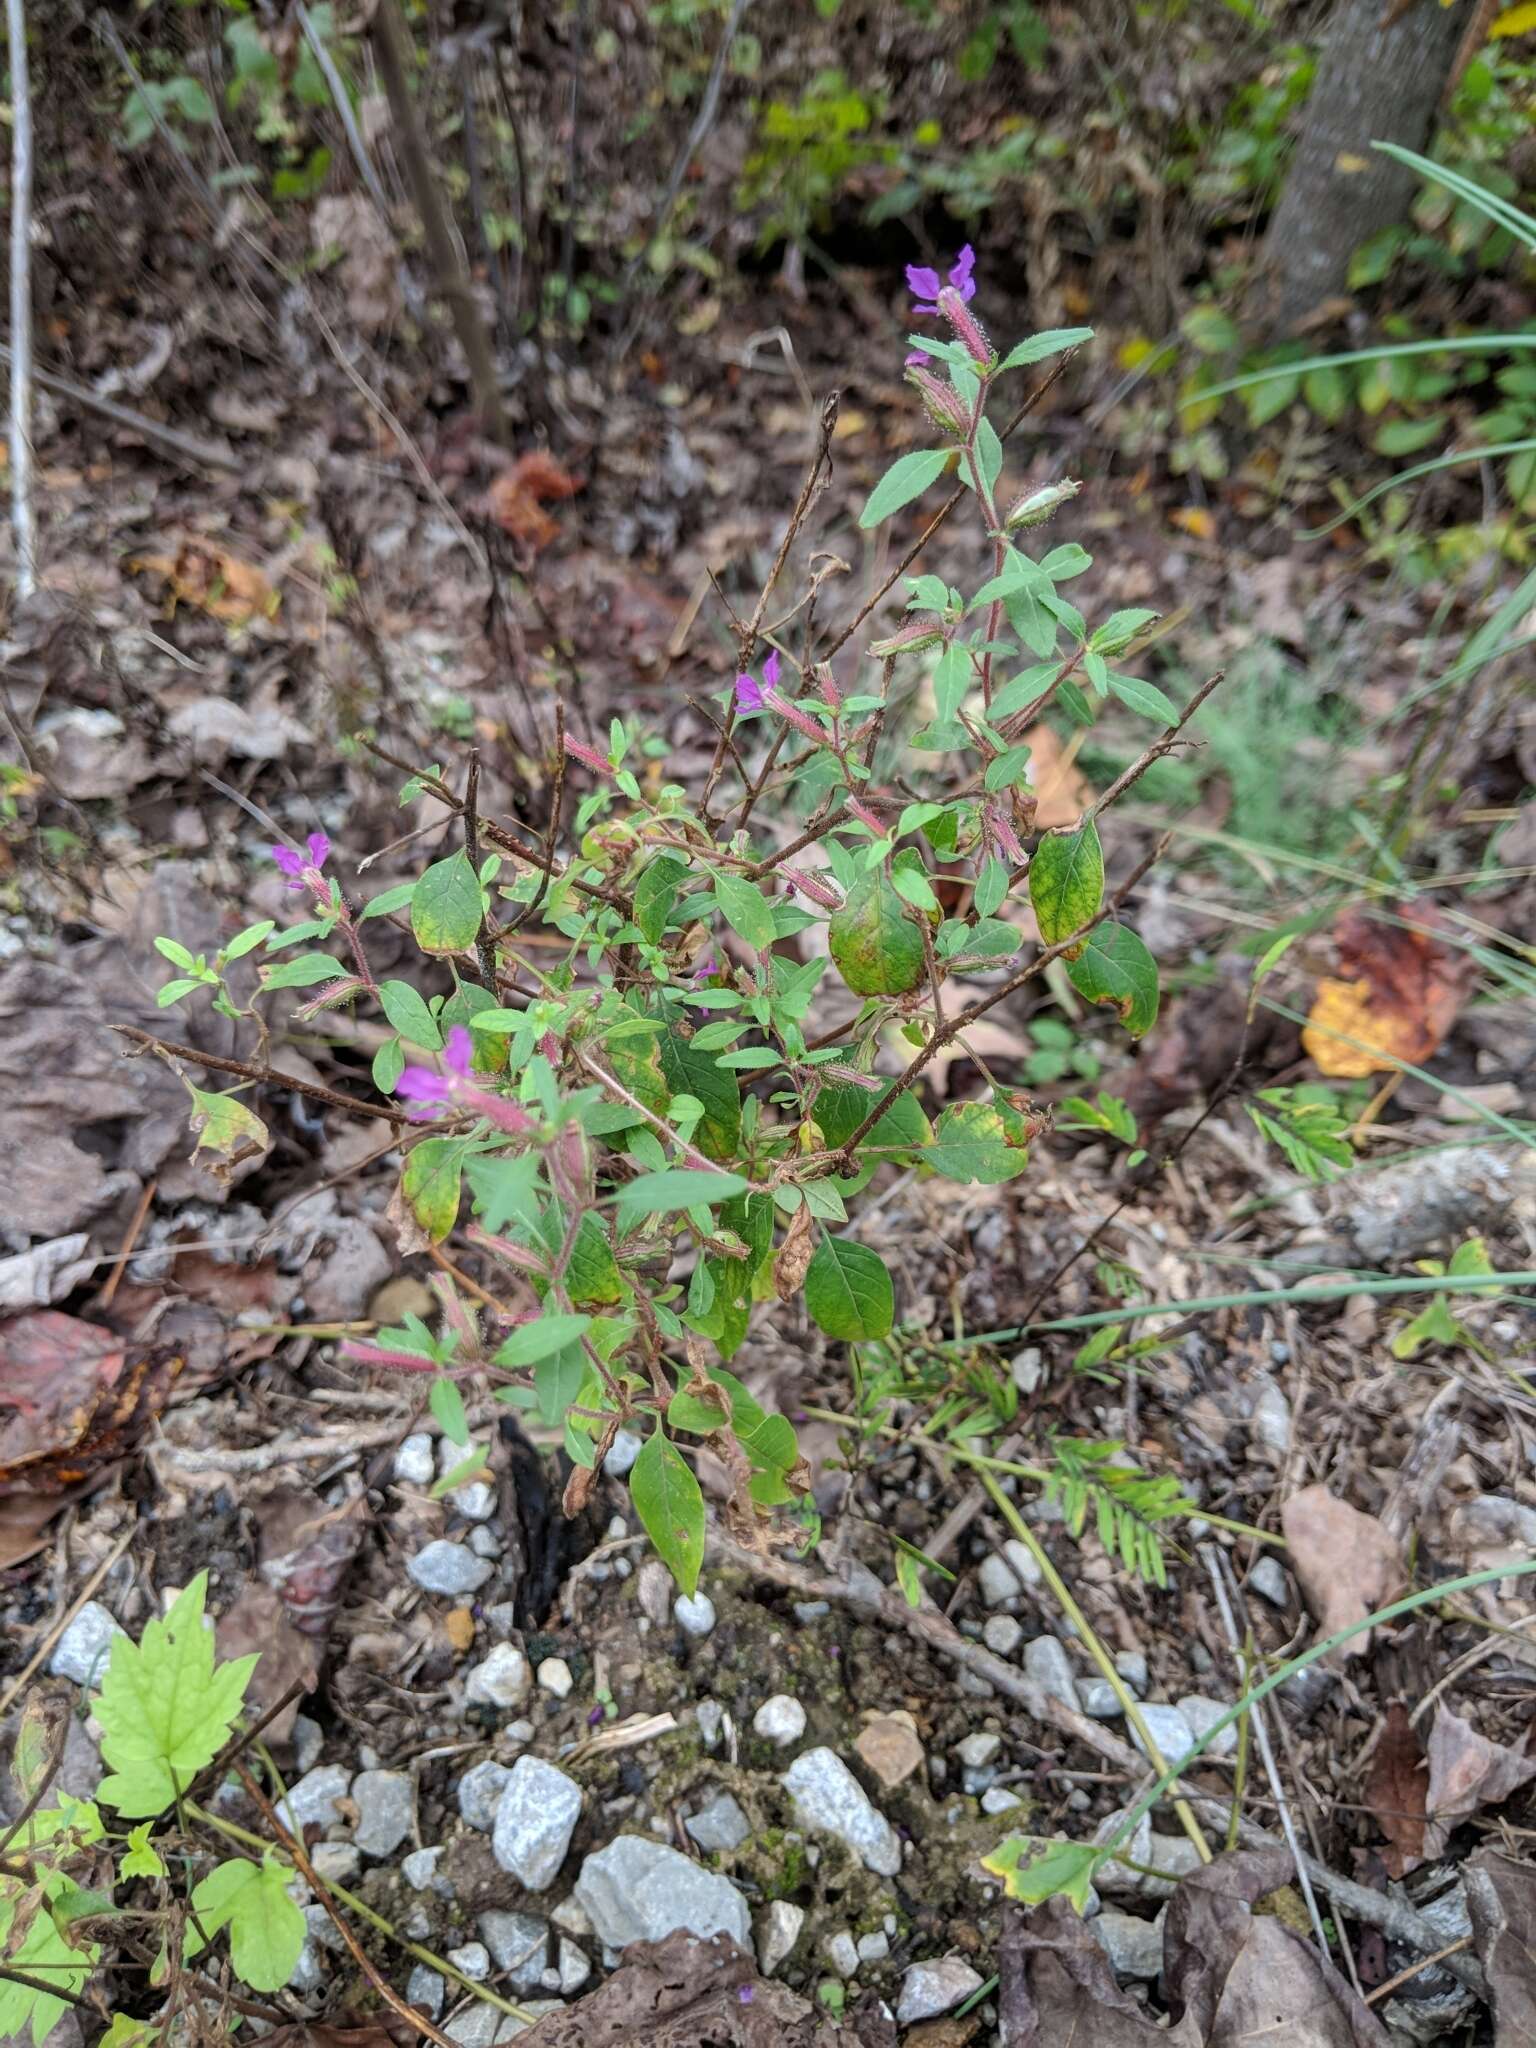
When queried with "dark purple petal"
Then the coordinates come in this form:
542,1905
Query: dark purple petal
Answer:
290,862
960,277
749,696
319,849
922,282
917,356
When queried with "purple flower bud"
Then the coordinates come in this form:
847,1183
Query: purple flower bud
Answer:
867,817
1037,506
942,405
831,696
818,892
802,721
589,757
967,327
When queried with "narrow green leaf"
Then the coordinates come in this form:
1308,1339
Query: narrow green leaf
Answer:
905,480
303,972
447,1405
540,1339
655,894
668,1501
1039,346
390,900
678,1187
746,910
1145,698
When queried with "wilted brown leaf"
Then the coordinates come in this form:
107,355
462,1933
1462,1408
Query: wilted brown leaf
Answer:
1347,1562
518,496
1401,996
794,1256
257,1620
1466,1772
72,1399
1394,1791
203,574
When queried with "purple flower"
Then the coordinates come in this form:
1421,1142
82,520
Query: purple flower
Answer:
303,873
749,692
432,1091
925,284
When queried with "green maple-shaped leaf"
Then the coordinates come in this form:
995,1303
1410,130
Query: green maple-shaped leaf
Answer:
266,1929
164,1709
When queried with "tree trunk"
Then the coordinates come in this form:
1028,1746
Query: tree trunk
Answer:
1381,74
392,45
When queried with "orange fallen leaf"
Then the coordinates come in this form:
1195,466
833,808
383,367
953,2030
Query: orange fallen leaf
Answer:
1195,520
1404,991
217,582
518,496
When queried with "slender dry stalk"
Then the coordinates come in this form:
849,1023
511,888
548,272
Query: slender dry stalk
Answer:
22,520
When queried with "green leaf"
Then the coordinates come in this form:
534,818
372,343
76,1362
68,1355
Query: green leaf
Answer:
142,1859
1116,969
1039,346
1143,697
163,1708
431,1184
1065,561
446,906
173,991
746,910
409,1014
447,1405
989,453
690,1072
505,1190
991,886
848,1291
388,1065
1406,437
266,1929
540,1339
175,952
970,1144
391,900
247,941
668,1501
304,972
460,1474
1210,330
1119,630
1066,882
904,481
42,1953
901,1130
557,1382
678,1187
875,946
655,894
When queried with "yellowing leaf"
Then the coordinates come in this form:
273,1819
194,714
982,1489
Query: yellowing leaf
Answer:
225,1126
1519,21
1195,520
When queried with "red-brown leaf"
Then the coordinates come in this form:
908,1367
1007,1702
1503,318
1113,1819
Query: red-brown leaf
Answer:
1394,1791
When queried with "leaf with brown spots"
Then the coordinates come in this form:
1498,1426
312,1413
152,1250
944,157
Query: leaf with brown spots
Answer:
1394,1791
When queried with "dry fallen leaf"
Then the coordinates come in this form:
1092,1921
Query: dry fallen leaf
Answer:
518,496
1347,1562
1194,520
1501,1896
1394,1791
1466,1773
1403,991
1062,789
203,574
72,1398
257,1620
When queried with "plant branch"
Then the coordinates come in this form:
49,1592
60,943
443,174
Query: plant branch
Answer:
22,515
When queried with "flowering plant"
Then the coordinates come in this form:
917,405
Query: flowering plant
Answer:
646,1135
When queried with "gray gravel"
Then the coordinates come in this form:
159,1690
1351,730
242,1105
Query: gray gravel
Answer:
929,1989
83,1650
519,1944
719,1825
1168,1729
780,1719
414,1464
386,1809
312,1801
640,1890
424,1989
535,1819
830,1798
502,1680
448,1568
694,1612
480,1791
1047,1663
778,1929
1202,1714
1134,1947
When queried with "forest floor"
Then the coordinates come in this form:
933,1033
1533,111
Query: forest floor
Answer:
334,582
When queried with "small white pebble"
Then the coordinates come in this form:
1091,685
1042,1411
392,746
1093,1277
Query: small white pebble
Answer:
780,1720
554,1675
694,1612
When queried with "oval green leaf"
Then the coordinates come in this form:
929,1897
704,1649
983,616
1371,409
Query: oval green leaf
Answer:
668,1501
430,1184
848,1291
1066,882
875,945
904,481
1116,969
446,906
